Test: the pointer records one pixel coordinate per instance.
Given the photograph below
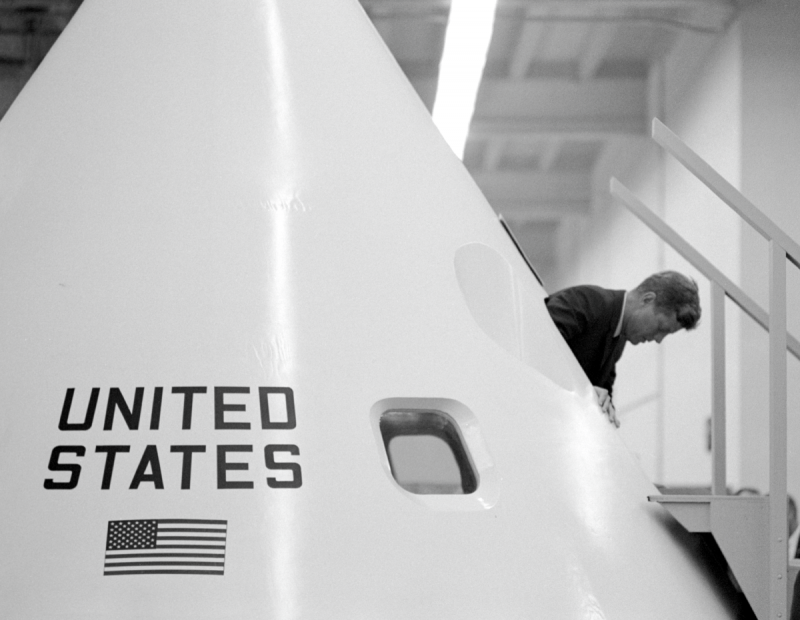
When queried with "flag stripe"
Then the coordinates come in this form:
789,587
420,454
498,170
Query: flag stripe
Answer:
191,547
167,555
165,564
190,521
212,538
164,572
191,529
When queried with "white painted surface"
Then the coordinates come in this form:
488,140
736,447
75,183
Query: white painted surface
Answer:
770,135
176,209
664,391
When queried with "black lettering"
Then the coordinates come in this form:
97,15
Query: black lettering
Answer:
186,471
188,401
269,457
149,459
73,468
223,467
117,401
266,421
220,408
155,416
65,425
111,456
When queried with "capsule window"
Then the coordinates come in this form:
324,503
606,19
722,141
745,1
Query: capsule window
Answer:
427,455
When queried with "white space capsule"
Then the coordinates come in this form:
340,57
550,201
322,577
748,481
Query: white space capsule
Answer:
237,260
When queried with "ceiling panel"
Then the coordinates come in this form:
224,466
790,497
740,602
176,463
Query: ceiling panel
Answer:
565,86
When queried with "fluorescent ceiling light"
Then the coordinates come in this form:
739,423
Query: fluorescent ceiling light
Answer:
466,42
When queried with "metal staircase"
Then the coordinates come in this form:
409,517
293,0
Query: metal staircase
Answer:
750,531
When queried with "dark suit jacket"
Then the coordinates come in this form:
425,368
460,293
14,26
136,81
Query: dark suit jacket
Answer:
587,317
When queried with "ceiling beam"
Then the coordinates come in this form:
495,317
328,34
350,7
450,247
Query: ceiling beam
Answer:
578,128
563,96
534,187
598,41
517,211
704,16
550,153
530,39
493,155
709,15
551,107
428,6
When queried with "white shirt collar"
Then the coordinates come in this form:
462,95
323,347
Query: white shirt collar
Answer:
621,314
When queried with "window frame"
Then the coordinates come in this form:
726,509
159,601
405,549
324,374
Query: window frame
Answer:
429,422
465,423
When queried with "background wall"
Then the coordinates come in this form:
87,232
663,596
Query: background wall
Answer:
770,157
735,100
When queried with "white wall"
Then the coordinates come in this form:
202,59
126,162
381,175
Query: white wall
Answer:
771,179
663,392
707,116
735,100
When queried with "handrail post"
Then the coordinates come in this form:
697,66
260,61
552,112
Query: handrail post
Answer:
778,547
773,555
718,433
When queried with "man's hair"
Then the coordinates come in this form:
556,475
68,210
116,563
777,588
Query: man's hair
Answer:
674,293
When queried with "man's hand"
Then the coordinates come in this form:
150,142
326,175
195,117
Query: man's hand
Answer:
607,406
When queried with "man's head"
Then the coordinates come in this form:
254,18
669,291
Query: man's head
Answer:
661,305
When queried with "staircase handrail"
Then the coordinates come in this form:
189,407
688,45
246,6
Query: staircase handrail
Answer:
702,264
766,589
722,188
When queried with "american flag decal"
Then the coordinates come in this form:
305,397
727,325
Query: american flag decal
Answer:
165,546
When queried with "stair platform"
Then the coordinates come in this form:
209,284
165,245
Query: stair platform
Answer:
740,526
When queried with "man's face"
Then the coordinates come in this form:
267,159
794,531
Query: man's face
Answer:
647,324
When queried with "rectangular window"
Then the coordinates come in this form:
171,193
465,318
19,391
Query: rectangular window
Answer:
427,455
